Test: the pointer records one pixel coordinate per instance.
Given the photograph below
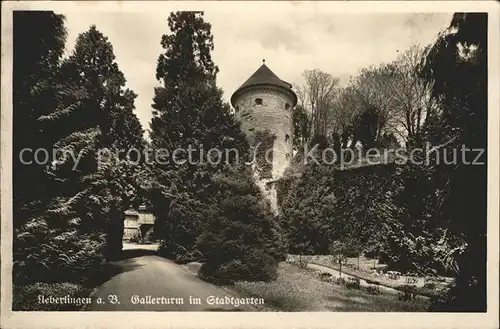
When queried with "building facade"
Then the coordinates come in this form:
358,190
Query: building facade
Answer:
138,224
265,103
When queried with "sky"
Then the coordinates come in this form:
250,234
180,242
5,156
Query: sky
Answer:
290,40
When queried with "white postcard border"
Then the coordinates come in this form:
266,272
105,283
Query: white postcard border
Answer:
27,320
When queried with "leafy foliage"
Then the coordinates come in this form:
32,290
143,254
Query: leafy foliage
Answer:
301,129
264,141
420,218
368,128
459,52
327,205
417,217
371,209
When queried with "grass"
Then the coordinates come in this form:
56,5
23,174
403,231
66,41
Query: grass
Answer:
302,290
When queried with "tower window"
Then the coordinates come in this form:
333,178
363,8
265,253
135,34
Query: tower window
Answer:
287,137
258,101
237,108
288,156
287,106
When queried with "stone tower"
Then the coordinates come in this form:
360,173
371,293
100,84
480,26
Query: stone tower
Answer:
265,103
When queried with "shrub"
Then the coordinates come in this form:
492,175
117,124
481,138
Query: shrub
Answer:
340,281
411,279
179,254
371,253
324,276
179,224
290,259
55,255
241,240
353,283
407,292
256,267
352,253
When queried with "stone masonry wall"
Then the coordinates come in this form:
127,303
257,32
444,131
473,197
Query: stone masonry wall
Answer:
272,115
275,116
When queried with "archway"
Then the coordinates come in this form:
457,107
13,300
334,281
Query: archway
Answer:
146,232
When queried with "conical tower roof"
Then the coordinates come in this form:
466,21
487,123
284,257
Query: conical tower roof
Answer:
264,76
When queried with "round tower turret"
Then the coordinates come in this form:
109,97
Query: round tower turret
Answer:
265,103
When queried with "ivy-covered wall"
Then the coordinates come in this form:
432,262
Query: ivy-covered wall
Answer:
377,208
264,143
325,204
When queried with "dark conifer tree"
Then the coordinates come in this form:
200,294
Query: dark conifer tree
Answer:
463,123
241,239
188,111
51,240
92,65
39,39
192,201
73,216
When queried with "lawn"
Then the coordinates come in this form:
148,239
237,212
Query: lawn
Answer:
301,290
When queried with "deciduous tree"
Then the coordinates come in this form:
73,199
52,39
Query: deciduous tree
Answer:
316,96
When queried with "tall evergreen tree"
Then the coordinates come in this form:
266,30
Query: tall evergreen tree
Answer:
188,111
51,241
92,65
80,211
39,39
192,201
